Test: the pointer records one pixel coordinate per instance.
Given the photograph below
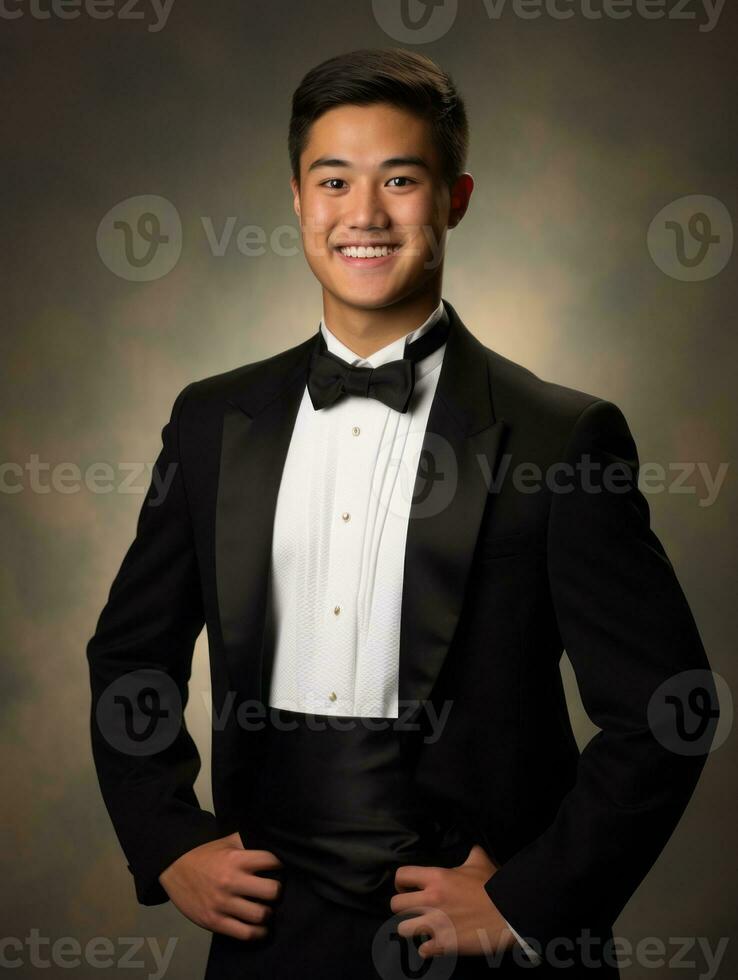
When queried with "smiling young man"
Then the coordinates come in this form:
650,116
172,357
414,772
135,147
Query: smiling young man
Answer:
393,763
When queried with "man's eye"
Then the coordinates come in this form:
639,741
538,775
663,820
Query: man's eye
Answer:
340,180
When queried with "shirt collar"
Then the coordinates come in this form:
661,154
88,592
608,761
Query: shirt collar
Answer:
392,351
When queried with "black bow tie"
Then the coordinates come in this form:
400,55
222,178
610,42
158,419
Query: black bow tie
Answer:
330,376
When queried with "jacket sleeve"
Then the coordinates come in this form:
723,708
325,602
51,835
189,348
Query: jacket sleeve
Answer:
139,661
627,629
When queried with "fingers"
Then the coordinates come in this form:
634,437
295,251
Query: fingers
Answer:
414,876
419,925
252,913
252,886
431,948
237,874
410,902
425,927
238,878
237,929
257,860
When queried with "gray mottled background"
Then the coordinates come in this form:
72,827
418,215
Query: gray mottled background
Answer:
582,131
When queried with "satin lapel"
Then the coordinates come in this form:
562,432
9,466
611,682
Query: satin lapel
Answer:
461,444
257,428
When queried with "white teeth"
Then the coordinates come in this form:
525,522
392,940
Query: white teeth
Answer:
368,252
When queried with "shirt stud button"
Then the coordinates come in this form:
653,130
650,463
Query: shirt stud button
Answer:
345,515
355,430
336,610
332,696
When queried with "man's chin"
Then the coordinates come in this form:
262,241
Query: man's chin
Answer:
367,299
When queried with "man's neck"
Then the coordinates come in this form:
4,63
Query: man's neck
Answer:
367,331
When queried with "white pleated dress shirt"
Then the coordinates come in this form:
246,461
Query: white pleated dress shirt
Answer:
338,547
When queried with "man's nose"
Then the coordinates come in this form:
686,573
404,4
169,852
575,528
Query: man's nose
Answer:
365,209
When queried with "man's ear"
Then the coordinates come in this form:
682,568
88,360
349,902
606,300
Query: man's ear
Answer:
460,194
295,196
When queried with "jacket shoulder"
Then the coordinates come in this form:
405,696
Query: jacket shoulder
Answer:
264,373
520,395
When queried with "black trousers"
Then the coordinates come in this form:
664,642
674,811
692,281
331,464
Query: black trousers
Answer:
312,937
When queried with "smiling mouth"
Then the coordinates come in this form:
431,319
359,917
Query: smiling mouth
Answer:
368,251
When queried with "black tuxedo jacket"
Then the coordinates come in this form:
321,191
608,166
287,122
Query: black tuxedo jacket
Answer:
499,579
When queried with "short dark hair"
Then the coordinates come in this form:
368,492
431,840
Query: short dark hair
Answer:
405,79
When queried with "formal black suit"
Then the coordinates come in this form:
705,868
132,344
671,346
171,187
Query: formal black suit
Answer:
497,583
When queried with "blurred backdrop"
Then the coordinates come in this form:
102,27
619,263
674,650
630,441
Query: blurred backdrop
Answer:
584,128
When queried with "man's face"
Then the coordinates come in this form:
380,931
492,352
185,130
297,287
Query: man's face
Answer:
372,175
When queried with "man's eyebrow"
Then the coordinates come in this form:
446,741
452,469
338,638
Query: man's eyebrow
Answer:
408,161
